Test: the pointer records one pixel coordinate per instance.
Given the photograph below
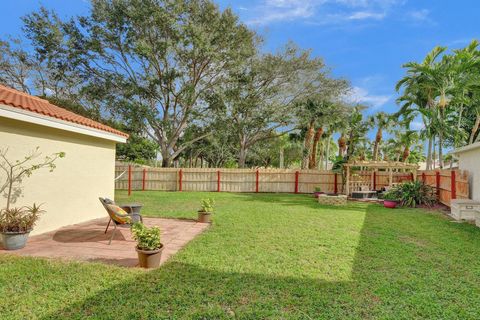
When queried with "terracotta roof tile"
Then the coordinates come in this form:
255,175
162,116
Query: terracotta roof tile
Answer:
17,99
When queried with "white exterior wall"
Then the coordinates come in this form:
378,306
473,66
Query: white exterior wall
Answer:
69,193
469,160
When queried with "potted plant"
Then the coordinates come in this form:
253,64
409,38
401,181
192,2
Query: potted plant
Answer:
149,248
318,191
16,224
390,199
206,210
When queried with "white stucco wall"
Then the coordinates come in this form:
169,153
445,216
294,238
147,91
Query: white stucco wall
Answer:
69,193
470,161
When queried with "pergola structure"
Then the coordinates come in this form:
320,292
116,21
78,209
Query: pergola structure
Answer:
375,166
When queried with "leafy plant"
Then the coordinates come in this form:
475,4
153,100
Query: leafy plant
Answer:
391,195
17,170
318,189
19,219
147,238
411,194
207,205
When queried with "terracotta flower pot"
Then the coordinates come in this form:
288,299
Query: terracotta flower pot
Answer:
390,204
317,193
204,217
149,258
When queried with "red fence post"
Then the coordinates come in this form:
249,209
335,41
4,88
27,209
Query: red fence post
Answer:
218,181
129,180
453,185
257,175
144,177
411,176
374,180
424,177
180,178
437,182
296,181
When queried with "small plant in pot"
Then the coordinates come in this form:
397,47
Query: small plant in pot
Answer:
318,191
206,210
16,224
390,199
149,248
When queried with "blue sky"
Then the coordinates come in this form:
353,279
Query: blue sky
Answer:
365,41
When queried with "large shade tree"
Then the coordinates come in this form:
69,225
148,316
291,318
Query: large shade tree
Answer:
157,57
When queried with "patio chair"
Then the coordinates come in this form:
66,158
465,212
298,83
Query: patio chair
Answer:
118,216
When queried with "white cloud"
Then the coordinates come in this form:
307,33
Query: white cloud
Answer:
283,10
362,95
319,11
362,15
420,16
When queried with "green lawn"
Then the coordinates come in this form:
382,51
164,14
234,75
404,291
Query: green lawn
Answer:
268,256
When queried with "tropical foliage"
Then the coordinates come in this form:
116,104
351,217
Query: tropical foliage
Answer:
443,91
411,194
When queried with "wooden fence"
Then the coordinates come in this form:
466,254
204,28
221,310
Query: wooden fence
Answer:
450,184
227,180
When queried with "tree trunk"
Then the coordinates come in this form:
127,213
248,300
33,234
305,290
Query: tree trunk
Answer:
434,154
378,139
474,129
242,156
429,154
321,156
307,146
440,149
166,161
342,145
282,158
313,157
406,153
327,153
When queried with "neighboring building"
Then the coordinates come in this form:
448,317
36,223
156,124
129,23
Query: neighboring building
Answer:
69,193
469,160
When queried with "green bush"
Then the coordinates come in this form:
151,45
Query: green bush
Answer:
147,238
411,194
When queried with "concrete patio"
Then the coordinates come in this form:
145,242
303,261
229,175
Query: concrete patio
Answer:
88,242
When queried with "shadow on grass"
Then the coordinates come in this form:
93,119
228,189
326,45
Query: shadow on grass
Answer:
305,200
400,271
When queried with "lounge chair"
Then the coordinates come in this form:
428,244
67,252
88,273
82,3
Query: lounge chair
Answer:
118,215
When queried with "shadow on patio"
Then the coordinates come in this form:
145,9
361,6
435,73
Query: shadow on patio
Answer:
88,242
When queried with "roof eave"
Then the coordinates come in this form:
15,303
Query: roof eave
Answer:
36,118
467,148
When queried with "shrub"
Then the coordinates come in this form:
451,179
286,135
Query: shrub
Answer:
411,194
147,238
207,205
19,219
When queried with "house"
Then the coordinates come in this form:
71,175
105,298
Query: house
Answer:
70,193
469,160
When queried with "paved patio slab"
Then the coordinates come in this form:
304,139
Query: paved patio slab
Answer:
88,242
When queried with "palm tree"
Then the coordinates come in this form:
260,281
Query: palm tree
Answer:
423,84
380,120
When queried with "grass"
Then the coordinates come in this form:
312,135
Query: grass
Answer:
268,257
